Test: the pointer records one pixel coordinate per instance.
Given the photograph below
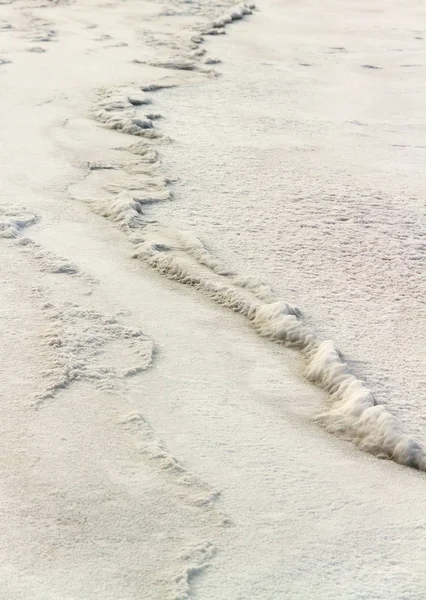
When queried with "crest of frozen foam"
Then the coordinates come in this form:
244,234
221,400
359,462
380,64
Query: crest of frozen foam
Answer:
351,410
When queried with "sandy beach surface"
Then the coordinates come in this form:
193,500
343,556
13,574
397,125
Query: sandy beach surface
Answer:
212,300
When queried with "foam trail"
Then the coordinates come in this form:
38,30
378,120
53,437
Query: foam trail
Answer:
197,250
351,411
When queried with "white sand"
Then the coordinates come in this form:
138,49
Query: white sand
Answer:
153,445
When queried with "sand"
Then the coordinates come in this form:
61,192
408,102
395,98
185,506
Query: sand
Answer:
212,300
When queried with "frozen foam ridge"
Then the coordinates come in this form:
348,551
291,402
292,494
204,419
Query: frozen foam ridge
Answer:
238,12
13,221
352,411
120,109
